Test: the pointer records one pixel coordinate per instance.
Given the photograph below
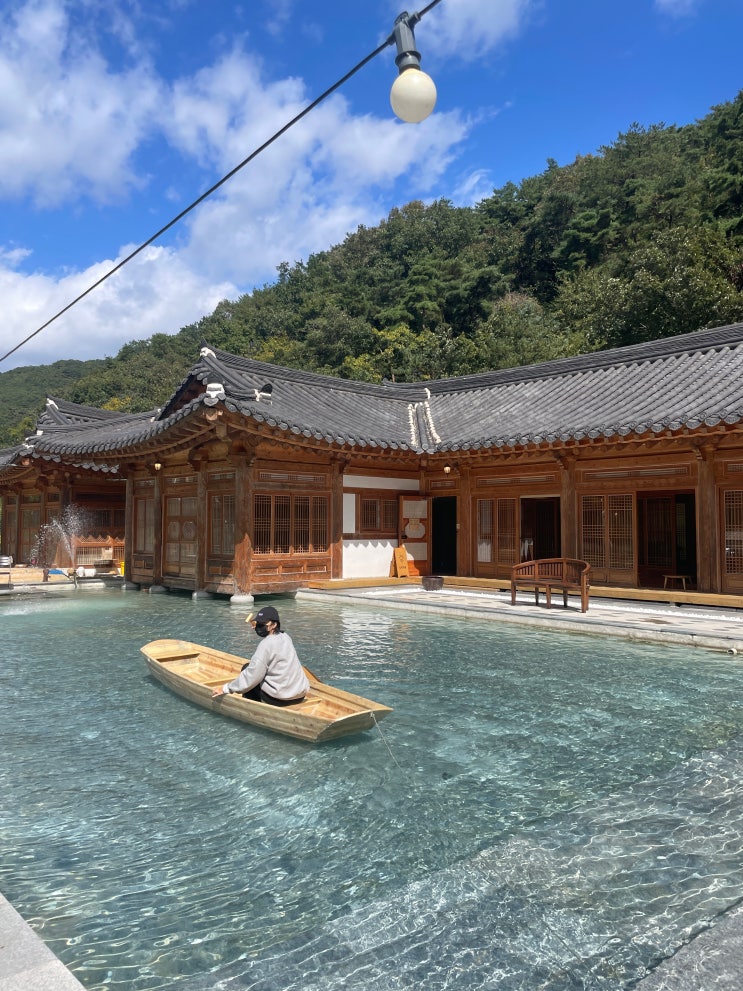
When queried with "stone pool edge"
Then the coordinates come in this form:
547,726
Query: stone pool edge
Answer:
709,629
26,962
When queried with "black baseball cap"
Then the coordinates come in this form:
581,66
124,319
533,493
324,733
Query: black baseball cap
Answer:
267,615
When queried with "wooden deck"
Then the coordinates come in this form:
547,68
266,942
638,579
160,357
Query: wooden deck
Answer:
28,576
34,576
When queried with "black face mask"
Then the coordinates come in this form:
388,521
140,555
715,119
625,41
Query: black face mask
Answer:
261,629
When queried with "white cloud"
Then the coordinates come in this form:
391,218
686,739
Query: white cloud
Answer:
281,12
226,110
155,293
306,191
471,28
13,257
68,124
472,188
677,8
312,188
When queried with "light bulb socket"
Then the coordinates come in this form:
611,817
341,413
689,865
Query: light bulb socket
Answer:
407,55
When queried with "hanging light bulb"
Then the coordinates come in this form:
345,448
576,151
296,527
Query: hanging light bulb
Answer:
413,93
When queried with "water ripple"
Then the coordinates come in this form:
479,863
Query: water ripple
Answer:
560,813
589,899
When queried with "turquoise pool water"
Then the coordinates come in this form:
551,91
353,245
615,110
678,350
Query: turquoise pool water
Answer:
544,811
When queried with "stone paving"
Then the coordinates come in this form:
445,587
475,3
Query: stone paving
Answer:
692,626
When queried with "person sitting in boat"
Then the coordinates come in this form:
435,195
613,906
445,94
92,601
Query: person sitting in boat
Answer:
274,674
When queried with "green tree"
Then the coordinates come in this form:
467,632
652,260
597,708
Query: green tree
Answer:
680,281
520,331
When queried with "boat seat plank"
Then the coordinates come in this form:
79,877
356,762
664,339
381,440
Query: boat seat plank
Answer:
172,658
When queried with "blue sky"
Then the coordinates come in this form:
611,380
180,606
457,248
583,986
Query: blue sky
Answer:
115,117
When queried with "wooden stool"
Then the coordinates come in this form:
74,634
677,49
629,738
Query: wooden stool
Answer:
681,579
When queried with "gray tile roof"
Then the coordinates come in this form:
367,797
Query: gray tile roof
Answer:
687,381
9,455
62,412
676,382
339,411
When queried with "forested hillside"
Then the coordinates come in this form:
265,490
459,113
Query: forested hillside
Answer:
642,240
24,390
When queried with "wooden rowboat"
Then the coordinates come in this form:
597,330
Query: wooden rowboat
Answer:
194,672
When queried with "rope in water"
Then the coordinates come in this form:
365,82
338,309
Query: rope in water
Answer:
376,723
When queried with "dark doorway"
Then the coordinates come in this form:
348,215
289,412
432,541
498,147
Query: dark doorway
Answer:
667,536
540,528
444,535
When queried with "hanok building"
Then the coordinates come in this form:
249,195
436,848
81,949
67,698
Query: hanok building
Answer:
255,478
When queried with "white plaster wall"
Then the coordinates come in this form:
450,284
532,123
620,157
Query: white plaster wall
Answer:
367,558
349,512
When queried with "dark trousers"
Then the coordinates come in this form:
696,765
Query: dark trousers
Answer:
258,695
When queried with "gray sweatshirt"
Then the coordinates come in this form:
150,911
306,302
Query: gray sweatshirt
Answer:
275,667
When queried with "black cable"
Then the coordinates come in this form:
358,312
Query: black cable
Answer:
212,189
422,13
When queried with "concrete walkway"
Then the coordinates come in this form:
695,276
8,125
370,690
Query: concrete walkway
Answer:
714,959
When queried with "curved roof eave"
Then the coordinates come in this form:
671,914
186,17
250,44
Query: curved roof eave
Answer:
102,440
686,382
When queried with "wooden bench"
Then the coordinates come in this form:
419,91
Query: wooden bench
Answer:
6,566
563,573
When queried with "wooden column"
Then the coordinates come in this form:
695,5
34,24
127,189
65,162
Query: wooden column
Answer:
157,563
336,519
568,508
465,538
202,524
42,485
13,548
243,558
65,496
4,542
708,523
129,527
